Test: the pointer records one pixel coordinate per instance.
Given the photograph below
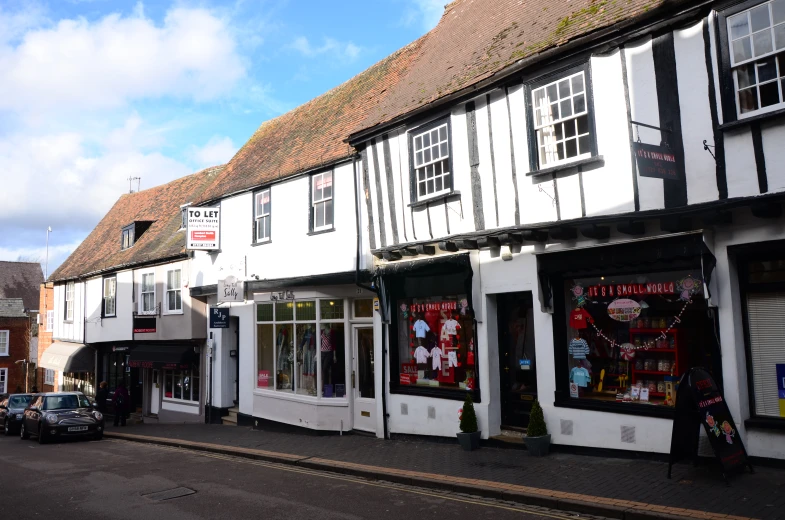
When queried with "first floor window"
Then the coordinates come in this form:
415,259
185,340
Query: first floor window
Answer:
174,297
322,201
50,321
431,149
182,384
436,342
49,377
262,216
561,120
4,338
301,347
3,380
757,54
148,293
69,301
110,290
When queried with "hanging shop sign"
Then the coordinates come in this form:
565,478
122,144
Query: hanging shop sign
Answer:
699,402
219,318
143,325
203,229
624,309
281,296
230,289
781,388
658,162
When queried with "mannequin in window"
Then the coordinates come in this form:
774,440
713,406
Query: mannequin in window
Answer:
328,355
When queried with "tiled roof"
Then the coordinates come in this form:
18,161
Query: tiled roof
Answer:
13,307
476,39
312,134
101,250
21,280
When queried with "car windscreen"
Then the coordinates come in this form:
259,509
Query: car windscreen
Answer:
19,401
61,402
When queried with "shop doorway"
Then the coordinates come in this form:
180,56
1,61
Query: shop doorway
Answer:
363,383
234,357
517,363
136,388
155,392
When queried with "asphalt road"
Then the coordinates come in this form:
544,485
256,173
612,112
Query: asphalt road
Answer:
118,479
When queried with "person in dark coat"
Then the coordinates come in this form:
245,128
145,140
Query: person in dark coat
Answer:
102,396
121,402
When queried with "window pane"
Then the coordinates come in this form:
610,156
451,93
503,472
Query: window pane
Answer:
172,300
284,348
551,92
421,190
559,128
328,213
539,97
439,184
317,188
266,202
583,125
564,89
430,186
306,357
178,300
566,108
178,385
259,204
264,356
333,360
577,84
443,146
779,38
168,379
427,155
579,103
554,111
284,311
264,312
746,75
748,100
365,364
571,147
434,136
739,26
318,213
569,128
328,185
760,17
419,158
767,70
148,304
305,310
762,41
195,386
363,308
426,139
769,94
266,227
443,133
418,143
584,144
560,151
778,10
331,309
742,50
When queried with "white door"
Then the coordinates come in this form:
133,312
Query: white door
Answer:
363,385
155,393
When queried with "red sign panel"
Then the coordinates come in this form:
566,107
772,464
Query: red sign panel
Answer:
263,379
202,235
408,379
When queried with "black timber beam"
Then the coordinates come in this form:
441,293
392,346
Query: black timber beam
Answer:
425,250
631,227
564,233
407,251
675,224
467,244
533,235
510,239
391,255
488,243
447,246
596,232
766,210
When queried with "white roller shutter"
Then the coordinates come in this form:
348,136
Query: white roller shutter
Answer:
766,317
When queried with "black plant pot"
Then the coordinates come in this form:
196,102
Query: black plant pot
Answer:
470,441
538,446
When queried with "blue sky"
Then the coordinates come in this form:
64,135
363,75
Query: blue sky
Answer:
95,91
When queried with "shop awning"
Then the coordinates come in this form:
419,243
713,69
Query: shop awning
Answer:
161,357
68,357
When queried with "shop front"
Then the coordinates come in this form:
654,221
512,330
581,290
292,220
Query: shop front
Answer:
315,359
75,362
164,381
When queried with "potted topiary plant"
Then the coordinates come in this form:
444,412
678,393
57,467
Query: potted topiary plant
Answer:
469,437
537,439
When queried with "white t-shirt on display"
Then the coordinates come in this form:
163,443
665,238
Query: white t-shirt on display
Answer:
451,327
421,355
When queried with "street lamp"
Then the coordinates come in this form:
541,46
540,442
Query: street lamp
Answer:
46,265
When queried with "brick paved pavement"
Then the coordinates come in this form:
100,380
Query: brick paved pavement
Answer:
759,495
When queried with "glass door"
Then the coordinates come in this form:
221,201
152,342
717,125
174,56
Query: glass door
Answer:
363,382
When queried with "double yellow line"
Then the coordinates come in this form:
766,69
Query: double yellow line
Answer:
356,480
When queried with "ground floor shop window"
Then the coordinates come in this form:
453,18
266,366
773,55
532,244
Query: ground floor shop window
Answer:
182,384
436,342
78,382
630,336
301,347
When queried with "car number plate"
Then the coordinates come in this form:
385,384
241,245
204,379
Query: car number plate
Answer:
77,429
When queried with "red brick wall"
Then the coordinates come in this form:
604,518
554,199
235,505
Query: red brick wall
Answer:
19,330
45,336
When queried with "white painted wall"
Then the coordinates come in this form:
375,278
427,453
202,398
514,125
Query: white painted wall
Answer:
72,330
116,328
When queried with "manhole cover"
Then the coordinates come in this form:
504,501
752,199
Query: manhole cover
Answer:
170,494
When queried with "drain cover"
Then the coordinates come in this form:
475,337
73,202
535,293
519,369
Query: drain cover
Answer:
170,494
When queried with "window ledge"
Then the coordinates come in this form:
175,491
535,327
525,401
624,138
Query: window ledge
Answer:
68,322
439,198
254,244
109,317
752,119
765,423
566,166
305,399
321,231
172,313
644,410
454,394
173,400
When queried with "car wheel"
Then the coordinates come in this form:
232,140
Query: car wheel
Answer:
6,428
41,437
23,434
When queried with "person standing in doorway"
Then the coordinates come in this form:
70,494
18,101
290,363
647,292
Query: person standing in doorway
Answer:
102,396
121,400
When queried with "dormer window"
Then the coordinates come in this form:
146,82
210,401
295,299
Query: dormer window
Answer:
128,236
133,232
184,216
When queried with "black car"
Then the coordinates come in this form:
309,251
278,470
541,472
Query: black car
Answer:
11,411
57,415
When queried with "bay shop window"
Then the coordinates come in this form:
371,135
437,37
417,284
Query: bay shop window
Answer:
301,347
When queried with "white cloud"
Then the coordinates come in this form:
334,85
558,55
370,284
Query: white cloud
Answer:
331,47
57,253
425,13
80,64
218,150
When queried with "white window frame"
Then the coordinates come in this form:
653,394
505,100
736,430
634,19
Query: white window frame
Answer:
545,142
113,297
175,290
3,380
184,216
69,301
320,203
5,341
49,376
429,161
182,373
127,238
754,60
50,321
261,218
142,292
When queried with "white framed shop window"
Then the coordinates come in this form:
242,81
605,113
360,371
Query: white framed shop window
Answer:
182,385
49,376
301,348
